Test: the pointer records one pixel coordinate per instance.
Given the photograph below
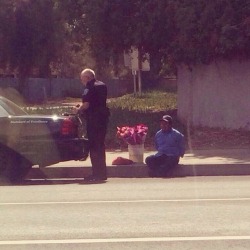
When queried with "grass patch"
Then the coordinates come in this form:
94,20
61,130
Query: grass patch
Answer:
154,101
147,109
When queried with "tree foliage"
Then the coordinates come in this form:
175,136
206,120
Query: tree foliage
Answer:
45,34
31,32
37,36
207,30
6,31
172,31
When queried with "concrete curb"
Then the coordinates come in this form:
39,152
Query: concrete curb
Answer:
141,171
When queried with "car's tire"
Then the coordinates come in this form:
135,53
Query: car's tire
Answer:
13,166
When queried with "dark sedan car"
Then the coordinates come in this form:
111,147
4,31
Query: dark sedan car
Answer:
27,140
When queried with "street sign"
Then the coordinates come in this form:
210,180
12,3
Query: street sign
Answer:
137,63
132,61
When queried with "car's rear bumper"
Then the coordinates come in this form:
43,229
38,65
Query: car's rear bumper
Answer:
47,152
71,149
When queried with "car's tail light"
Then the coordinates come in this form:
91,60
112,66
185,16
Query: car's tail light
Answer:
68,127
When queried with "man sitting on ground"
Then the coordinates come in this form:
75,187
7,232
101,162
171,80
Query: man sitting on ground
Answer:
170,147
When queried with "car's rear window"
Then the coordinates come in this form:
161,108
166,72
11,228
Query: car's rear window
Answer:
3,112
8,107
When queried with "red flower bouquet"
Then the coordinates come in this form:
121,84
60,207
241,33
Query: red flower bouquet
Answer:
133,135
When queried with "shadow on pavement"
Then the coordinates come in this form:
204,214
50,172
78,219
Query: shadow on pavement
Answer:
32,182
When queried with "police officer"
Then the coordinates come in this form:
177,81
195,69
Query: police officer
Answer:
97,115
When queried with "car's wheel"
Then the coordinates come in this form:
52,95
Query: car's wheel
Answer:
13,166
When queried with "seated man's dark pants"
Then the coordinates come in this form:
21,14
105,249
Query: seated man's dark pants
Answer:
159,166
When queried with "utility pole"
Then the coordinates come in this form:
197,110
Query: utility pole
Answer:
139,72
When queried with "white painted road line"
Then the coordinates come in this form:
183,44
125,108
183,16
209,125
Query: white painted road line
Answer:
123,201
120,240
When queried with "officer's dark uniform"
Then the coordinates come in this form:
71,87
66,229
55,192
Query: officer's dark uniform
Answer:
97,116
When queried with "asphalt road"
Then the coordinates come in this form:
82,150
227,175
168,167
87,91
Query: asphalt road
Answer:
178,213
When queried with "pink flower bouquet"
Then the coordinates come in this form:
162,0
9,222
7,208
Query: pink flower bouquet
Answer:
132,135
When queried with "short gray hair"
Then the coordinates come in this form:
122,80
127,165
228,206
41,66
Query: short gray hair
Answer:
88,72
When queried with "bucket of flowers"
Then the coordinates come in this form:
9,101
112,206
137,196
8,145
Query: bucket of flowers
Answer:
135,137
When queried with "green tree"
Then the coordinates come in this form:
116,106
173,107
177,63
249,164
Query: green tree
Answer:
112,26
37,38
44,34
207,30
172,31
6,31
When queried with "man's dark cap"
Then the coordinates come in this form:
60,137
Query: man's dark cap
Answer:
167,118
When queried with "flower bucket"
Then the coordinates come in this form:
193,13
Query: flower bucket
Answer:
136,152
132,135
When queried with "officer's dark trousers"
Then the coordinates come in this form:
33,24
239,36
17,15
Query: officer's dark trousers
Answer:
96,132
161,165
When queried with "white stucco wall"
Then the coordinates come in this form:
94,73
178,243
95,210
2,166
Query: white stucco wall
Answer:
215,95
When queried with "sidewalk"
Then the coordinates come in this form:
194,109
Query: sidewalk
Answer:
219,162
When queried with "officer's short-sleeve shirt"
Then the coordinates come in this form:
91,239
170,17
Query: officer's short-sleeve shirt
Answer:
95,94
